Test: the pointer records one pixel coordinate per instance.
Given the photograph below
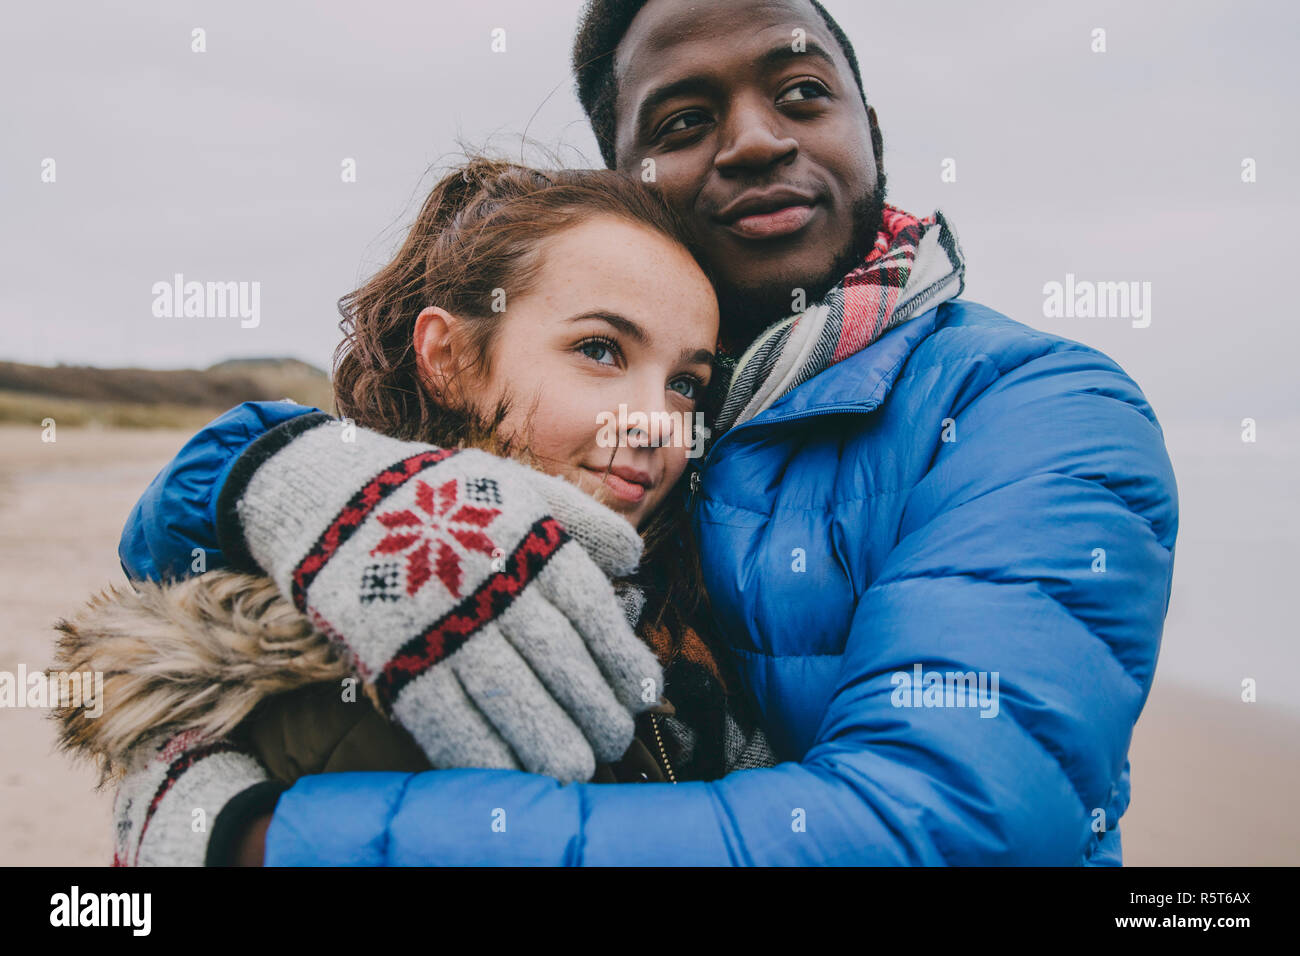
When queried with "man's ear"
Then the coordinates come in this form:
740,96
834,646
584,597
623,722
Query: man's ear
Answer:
435,348
877,141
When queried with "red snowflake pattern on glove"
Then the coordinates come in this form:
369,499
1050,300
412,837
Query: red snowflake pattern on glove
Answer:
426,541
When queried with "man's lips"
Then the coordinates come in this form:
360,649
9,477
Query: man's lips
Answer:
768,213
772,225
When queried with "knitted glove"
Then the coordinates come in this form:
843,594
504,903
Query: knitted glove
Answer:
172,797
471,593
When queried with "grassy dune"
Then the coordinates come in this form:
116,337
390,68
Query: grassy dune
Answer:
77,396
18,408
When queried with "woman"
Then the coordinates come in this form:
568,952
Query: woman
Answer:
524,312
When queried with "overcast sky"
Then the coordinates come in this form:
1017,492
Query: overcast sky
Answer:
1117,166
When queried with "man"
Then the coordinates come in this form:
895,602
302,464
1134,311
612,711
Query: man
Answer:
939,543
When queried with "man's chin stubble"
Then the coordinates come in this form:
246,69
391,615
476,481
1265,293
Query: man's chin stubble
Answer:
744,312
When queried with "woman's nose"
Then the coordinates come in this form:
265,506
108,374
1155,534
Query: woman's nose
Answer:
655,426
655,430
659,431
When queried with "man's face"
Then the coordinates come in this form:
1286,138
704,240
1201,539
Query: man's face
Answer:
766,151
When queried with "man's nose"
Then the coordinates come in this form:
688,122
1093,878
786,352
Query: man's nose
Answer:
754,137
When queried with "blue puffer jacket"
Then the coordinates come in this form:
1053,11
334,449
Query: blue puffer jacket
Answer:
964,496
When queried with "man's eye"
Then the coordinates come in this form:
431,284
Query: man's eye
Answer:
672,125
801,88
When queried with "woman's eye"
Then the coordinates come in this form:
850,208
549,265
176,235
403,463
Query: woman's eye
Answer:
691,387
800,88
595,348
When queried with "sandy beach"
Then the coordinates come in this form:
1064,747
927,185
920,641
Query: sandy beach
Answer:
1214,780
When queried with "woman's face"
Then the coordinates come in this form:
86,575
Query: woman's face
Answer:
620,316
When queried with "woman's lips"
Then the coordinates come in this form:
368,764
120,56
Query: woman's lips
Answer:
771,225
623,489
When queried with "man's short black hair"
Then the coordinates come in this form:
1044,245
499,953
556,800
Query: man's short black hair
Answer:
601,28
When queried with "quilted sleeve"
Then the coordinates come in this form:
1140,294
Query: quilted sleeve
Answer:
176,516
1034,562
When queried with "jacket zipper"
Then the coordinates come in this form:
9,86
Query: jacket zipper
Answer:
654,722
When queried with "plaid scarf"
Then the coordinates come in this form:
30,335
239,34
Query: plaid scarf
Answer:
913,266
715,730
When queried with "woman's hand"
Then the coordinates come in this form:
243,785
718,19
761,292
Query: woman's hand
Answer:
471,592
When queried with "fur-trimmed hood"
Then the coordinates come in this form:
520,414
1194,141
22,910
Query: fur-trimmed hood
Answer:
194,655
